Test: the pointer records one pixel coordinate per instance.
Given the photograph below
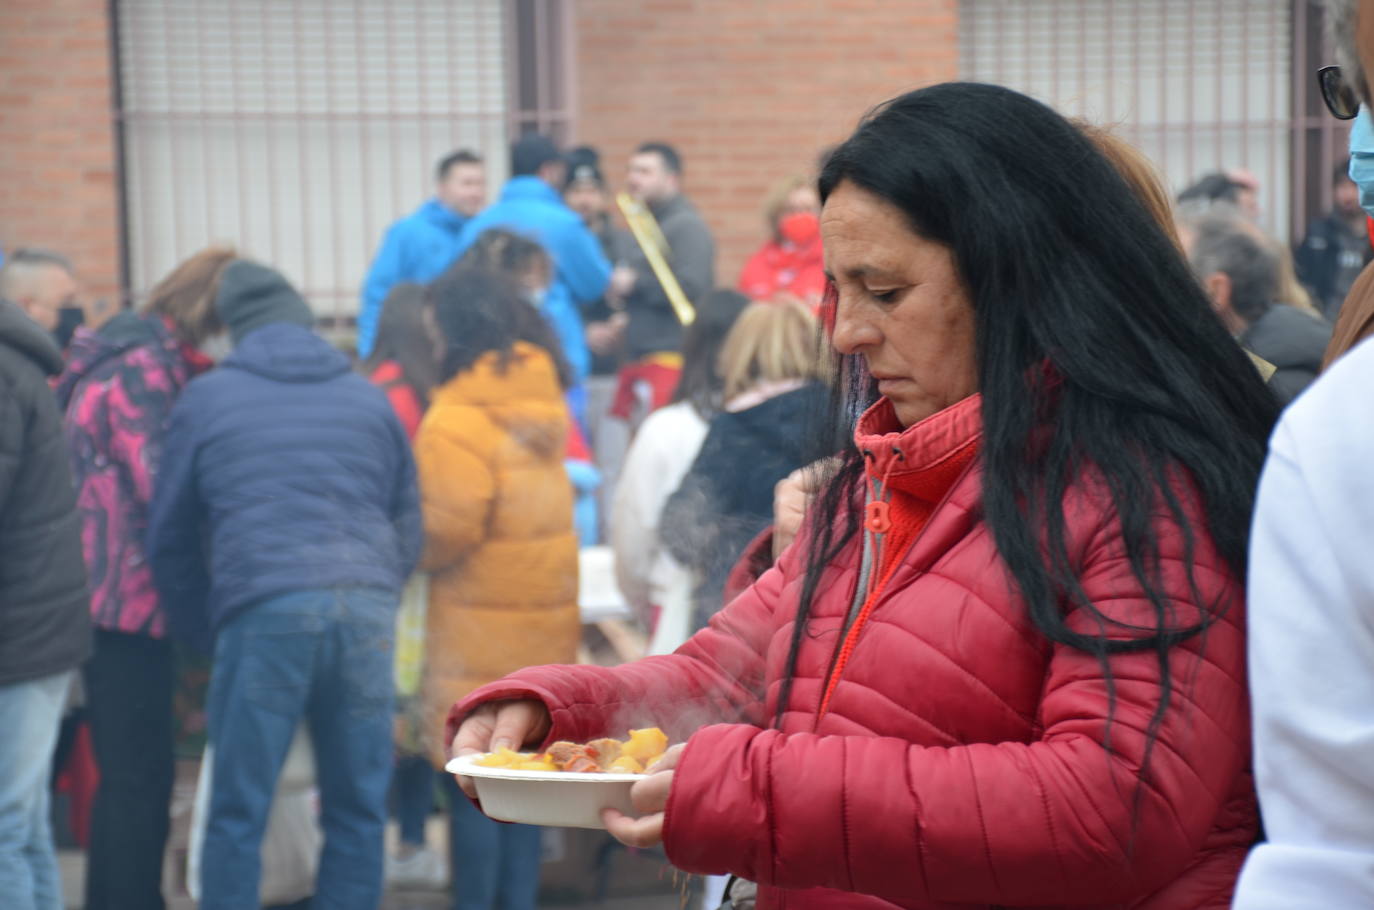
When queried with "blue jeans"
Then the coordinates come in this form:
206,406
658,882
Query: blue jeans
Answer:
412,784
324,656
30,713
495,865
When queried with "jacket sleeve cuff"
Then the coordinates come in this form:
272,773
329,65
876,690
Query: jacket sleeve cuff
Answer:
708,828
574,721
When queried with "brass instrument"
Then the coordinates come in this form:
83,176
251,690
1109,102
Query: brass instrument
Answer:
651,240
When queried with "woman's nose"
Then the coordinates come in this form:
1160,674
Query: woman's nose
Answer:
852,334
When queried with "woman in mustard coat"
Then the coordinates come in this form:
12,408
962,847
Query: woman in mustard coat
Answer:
500,546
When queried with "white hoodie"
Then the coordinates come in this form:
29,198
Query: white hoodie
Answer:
663,450
1311,622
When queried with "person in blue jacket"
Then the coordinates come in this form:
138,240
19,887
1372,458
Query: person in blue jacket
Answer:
285,521
420,246
531,203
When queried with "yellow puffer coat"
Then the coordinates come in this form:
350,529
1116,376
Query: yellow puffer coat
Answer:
499,540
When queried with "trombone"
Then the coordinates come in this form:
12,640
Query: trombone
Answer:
651,240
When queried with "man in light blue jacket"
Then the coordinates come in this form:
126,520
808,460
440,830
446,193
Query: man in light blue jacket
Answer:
421,245
531,204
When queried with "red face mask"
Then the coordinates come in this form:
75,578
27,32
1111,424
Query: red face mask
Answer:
800,228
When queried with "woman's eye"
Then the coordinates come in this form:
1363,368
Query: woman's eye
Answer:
885,296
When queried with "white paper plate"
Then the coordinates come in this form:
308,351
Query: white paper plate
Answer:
555,799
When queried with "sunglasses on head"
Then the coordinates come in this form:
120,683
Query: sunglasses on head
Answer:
1340,98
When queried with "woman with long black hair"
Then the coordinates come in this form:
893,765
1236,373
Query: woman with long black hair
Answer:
1004,664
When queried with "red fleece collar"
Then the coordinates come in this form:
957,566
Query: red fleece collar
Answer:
924,458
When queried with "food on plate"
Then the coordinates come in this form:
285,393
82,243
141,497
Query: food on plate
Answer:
519,761
646,745
572,757
640,753
626,764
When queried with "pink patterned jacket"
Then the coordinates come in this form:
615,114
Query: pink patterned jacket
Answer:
117,392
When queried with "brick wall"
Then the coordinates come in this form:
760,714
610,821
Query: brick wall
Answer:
749,92
57,162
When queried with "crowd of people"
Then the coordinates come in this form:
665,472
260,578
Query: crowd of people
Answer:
359,543
965,528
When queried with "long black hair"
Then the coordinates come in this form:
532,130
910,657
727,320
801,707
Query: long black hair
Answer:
1097,352
403,339
701,383
480,310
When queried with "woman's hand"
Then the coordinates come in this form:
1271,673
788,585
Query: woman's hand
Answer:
512,724
650,798
792,496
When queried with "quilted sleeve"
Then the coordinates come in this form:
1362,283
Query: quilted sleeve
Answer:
176,519
405,505
717,676
1066,819
457,486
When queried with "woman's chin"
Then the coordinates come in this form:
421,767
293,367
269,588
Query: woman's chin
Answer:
910,412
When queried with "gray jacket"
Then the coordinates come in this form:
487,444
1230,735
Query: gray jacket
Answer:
45,614
653,325
1294,342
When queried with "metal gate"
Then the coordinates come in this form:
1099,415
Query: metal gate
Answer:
1199,85
297,131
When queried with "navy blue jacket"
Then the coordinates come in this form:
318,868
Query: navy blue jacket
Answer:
283,471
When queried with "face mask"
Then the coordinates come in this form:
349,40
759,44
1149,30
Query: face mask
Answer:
800,228
1362,158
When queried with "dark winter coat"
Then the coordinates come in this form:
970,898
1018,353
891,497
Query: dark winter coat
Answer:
45,623
1294,342
726,499
283,471
653,325
1329,260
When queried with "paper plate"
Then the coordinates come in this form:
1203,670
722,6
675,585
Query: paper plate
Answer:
554,799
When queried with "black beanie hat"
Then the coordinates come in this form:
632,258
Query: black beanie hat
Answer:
583,164
252,296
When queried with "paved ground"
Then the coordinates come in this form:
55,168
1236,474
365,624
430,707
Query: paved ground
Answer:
74,870
73,876
571,860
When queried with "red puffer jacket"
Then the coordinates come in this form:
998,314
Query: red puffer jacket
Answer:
961,761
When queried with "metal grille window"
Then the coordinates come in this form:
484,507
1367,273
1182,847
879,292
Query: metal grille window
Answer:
543,69
1198,85
1320,141
297,131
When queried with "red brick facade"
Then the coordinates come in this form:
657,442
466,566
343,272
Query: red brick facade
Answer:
57,152
749,92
